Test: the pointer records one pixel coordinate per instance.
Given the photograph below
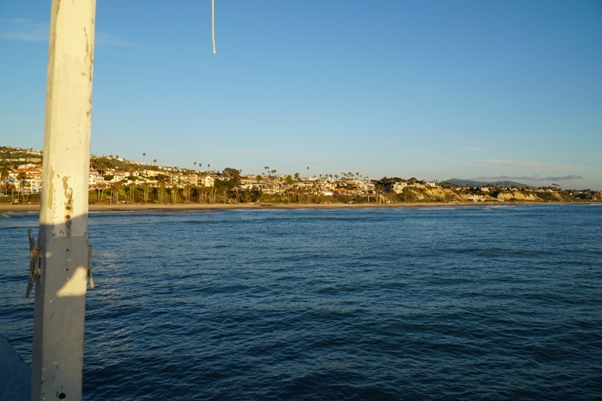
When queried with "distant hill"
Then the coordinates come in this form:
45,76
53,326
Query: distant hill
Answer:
472,183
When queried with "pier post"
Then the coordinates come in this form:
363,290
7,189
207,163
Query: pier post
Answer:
60,289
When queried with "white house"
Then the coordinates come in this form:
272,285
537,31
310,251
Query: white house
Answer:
399,186
207,181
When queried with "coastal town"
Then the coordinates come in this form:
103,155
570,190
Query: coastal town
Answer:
115,180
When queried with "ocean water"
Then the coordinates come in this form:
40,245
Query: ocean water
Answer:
471,303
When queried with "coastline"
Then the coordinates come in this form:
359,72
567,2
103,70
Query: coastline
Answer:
259,206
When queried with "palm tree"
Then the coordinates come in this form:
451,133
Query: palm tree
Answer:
132,188
99,191
145,188
116,189
12,192
307,171
195,193
161,190
143,156
182,194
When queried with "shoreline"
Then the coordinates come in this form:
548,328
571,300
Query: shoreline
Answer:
263,206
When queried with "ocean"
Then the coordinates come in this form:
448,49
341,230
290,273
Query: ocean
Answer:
433,303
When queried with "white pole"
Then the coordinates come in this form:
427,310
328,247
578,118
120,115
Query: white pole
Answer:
60,291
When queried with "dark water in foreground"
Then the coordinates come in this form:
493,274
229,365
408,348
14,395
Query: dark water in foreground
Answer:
398,304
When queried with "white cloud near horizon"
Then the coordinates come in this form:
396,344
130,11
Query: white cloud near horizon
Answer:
245,150
530,164
569,177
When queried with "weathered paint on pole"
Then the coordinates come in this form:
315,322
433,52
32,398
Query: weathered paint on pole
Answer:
60,291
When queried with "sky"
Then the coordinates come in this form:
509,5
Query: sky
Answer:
483,90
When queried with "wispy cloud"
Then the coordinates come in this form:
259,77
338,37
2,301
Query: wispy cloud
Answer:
23,29
530,164
245,150
593,156
414,152
569,177
463,140
454,138
421,89
167,150
5,119
109,40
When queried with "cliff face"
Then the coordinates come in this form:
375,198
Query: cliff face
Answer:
442,194
422,193
519,196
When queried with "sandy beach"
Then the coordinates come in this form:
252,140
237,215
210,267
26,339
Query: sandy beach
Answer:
5,207
224,206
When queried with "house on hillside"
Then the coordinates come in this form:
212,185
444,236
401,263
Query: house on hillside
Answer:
31,182
206,181
398,186
475,198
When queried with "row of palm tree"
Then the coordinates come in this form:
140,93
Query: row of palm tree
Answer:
145,193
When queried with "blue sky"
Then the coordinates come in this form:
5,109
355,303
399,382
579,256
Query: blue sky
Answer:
431,89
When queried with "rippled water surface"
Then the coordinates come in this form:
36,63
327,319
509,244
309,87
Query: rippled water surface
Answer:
368,304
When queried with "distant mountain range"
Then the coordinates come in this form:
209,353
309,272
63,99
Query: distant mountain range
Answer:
472,183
